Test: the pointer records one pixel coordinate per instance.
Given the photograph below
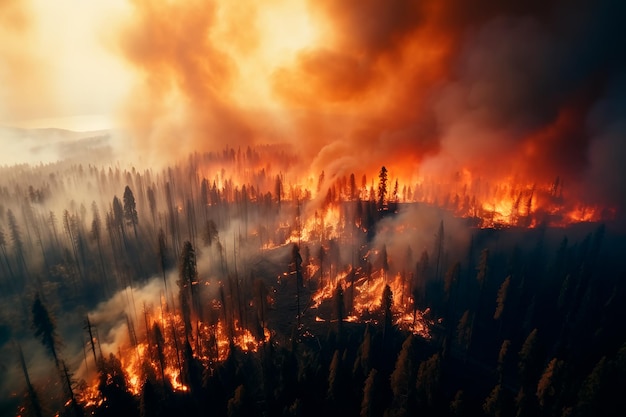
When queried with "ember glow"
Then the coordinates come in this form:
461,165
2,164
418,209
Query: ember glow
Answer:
150,353
366,294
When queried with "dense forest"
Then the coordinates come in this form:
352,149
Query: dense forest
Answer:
231,285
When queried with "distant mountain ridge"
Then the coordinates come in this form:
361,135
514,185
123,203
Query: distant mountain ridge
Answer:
47,145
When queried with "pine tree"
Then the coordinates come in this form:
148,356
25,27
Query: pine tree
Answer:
494,403
159,341
501,298
386,304
428,381
353,189
529,359
45,328
382,187
118,217
188,288
464,330
402,377
502,359
130,209
113,386
334,378
590,395
548,385
369,405
152,204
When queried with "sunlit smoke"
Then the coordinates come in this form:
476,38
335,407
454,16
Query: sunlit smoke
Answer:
427,89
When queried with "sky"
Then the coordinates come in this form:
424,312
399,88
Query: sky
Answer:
532,89
59,66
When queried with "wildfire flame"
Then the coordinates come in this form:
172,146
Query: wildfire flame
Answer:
212,344
367,294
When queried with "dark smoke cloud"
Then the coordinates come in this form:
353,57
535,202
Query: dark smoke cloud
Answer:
524,88
425,88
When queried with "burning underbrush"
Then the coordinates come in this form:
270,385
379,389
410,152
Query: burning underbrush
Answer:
362,299
164,353
155,343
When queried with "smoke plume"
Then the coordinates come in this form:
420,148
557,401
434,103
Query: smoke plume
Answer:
425,88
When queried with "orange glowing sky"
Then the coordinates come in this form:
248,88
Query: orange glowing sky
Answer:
531,89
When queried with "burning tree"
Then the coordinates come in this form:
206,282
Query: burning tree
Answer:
382,187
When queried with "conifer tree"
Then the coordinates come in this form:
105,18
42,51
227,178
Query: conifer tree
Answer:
428,381
501,298
370,395
130,209
382,187
549,385
45,328
402,378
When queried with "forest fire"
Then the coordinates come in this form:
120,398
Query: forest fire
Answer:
163,353
489,200
358,208
365,297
